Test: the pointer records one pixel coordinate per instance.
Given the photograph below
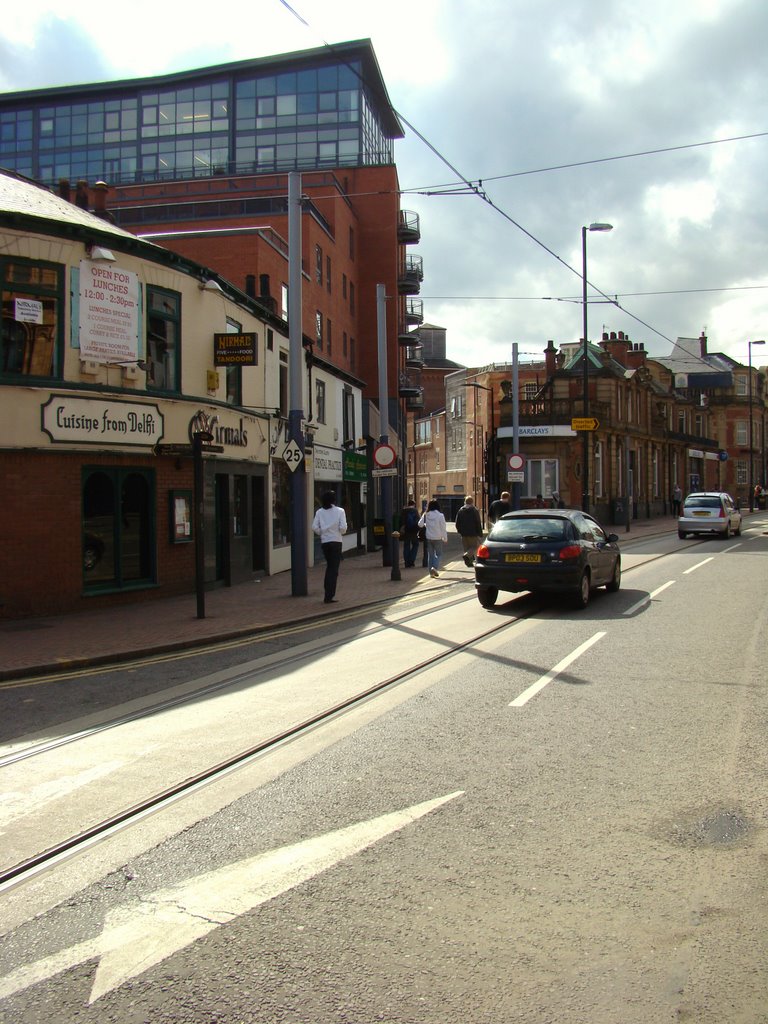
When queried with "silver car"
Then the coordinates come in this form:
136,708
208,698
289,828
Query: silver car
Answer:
709,512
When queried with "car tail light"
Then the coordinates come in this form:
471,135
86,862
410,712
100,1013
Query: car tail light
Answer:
482,552
571,551
721,513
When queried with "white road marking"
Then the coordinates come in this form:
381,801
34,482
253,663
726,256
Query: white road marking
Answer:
526,695
15,805
648,597
137,937
698,565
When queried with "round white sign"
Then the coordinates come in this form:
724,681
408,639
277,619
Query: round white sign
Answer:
515,461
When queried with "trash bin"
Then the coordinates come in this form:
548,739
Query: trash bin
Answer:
619,511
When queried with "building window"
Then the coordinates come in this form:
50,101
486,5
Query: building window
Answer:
118,527
318,264
283,384
319,328
742,384
320,401
32,305
656,483
163,340
741,471
328,336
741,432
328,273
351,298
348,413
598,471
352,352
344,344
344,287
541,477
284,302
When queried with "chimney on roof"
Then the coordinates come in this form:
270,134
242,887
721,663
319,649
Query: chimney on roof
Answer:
636,355
64,189
618,345
100,190
550,364
81,195
703,344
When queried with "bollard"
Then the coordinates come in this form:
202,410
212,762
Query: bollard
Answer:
395,574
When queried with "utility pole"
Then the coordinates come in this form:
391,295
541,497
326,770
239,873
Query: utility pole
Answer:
296,374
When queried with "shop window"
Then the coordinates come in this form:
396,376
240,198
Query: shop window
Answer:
118,528
163,340
32,305
541,477
281,503
320,400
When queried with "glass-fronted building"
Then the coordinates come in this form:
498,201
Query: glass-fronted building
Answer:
322,108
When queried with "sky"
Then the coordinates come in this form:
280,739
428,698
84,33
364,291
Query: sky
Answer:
525,120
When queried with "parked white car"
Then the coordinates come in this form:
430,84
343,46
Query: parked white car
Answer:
709,512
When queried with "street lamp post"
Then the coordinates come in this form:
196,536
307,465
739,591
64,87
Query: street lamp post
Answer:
585,369
751,456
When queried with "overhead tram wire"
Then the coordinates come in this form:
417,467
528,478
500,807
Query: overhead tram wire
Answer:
478,190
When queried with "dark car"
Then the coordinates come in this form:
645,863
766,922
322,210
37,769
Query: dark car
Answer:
556,550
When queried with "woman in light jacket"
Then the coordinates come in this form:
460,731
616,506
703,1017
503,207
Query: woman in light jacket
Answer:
434,523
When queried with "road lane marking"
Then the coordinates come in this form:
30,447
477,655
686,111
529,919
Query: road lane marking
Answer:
539,685
648,597
136,937
698,565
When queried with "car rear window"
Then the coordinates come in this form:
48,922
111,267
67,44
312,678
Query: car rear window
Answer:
542,528
707,501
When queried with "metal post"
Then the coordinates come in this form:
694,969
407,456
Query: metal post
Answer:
515,421
199,499
585,375
386,481
296,411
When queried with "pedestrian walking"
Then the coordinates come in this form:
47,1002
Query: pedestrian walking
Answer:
436,528
330,523
499,507
409,533
677,497
539,502
469,526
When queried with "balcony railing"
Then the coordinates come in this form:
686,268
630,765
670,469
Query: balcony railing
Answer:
408,230
414,356
411,275
414,312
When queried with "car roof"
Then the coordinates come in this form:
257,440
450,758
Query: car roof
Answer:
708,494
544,513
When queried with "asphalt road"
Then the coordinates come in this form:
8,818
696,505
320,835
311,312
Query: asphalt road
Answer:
563,823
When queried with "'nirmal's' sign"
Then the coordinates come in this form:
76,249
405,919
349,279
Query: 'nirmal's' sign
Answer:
235,350
90,421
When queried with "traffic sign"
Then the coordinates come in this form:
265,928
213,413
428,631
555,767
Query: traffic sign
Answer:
515,462
515,476
292,455
384,472
584,423
384,455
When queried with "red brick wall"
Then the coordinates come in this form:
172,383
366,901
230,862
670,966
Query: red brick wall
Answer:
40,522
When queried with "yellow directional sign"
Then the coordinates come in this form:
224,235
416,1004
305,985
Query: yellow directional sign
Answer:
584,423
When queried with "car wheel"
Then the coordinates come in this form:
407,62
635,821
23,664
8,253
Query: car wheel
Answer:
727,531
681,534
615,581
737,532
582,594
487,596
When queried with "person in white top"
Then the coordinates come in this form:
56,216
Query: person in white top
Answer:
330,523
434,522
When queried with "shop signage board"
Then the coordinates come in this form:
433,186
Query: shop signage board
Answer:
235,349
67,419
108,309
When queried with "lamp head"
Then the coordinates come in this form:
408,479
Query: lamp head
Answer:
598,226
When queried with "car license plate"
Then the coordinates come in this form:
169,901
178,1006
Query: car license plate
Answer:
522,558
701,513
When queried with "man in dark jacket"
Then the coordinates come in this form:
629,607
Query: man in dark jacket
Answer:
409,533
469,526
500,506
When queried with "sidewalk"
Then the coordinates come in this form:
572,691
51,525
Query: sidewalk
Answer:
56,643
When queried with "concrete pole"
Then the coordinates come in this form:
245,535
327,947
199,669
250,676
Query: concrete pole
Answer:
515,421
296,376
